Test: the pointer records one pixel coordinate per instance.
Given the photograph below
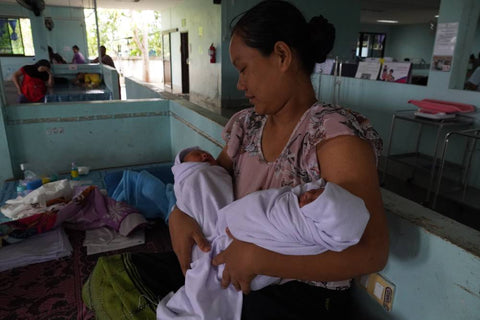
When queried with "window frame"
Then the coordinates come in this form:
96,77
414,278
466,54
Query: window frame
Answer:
22,36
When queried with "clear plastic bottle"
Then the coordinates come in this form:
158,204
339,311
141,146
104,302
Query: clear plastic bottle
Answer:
74,171
28,181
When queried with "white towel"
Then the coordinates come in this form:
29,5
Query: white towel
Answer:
201,190
271,219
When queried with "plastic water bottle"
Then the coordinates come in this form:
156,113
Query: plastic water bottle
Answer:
21,189
74,171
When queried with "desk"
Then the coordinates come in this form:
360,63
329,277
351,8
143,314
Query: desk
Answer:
416,159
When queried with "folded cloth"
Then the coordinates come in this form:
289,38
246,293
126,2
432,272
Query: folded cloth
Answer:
42,247
90,209
148,194
105,239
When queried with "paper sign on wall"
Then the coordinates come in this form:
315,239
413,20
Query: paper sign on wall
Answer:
445,41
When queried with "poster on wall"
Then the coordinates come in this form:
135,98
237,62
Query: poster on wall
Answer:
396,72
445,40
368,70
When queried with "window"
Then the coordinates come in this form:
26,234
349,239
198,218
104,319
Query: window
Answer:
16,37
370,45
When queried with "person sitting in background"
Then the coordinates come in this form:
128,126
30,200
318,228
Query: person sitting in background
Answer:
78,57
54,57
106,59
30,81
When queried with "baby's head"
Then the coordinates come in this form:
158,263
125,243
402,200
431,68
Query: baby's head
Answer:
309,196
198,155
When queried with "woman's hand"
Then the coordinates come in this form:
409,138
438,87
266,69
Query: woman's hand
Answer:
185,232
239,264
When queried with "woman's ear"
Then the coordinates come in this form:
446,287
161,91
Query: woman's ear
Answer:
284,54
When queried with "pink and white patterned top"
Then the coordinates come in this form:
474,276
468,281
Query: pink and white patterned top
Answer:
297,163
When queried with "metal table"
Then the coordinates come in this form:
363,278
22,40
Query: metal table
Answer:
415,159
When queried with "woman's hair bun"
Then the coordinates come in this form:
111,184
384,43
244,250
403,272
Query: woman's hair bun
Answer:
322,37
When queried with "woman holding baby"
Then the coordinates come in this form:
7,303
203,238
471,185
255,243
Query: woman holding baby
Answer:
289,138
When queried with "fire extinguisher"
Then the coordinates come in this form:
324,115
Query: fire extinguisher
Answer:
211,53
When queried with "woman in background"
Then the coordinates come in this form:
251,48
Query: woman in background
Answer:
32,81
55,58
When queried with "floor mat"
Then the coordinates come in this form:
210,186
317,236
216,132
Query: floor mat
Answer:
52,290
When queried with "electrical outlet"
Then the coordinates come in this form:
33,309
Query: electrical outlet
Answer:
381,289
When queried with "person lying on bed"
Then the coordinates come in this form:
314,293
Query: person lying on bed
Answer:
305,220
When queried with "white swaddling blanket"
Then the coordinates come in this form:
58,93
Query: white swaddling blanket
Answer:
271,219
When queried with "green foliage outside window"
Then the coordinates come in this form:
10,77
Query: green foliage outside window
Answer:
122,31
16,37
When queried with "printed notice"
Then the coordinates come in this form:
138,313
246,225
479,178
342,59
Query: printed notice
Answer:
445,40
368,70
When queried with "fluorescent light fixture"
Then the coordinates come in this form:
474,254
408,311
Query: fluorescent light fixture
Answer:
436,16
387,21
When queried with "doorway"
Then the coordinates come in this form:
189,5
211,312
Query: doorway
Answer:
184,62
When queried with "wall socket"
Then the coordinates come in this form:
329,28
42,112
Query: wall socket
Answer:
381,289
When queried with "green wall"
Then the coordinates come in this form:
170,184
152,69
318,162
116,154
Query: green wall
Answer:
96,134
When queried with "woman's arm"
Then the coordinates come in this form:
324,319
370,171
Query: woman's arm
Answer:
349,162
16,80
184,233
50,75
50,81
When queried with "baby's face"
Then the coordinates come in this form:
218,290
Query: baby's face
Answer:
309,196
199,156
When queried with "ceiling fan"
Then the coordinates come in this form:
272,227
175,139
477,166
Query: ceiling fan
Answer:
36,6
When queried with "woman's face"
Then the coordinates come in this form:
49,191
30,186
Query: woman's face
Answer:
259,76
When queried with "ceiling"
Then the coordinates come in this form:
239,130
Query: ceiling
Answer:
404,11
118,4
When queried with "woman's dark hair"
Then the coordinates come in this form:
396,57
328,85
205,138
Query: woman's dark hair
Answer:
32,69
274,20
